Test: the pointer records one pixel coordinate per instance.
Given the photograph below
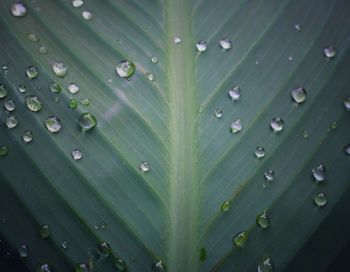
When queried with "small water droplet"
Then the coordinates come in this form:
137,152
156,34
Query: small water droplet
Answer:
298,94
144,166
263,220
43,50
73,103
236,126
85,101
320,199
329,52
346,103
202,254
23,251
77,3
269,175
64,244
201,108
154,60
319,173
104,248
235,93
32,72
55,87
259,152
265,265
22,88
218,113
290,58
82,267
297,27
32,37
177,40
33,103
347,149
120,264
53,124
3,150
305,134
225,44
150,76
125,69
19,9
10,105
73,88
240,239
77,154
87,121
201,46
3,91
44,231
277,124
333,125
56,99
87,15
158,266
225,206
59,69
11,121
27,136
44,268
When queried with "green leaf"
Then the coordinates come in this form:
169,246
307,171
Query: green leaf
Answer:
163,182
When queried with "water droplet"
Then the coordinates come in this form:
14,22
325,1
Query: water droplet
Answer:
77,3
144,166
225,44
32,37
202,254
73,103
235,93
154,60
87,15
240,239
23,251
297,27
43,50
44,231
82,267
104,248
85,101
120,264
3,150
259,152
225,206
44,268
158,266
201,46
27,136
56,99
32,72
263,220
53,124
236,126
277,124
177,40
19,9
346,103
290,58
329,52
305,134
22,88
218,113
298,95
201,108
320,199
34,103
269,175
5,68
77,154
73,88
265,265
347,149
55,87
333,125
125,69
64,244
319,173
150,76
60,69
11,121
3,91
10,105
87,121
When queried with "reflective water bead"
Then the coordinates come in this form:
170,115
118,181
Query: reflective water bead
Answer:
27,136
269,175
77,3
346,103
44,268
235,93
319,173
3,91
53,124
73,88
298,95
82,267
277,124
64,244
87,121
158,266
259,152
44,231
23,251
22,88
19,9
218,113
225,44
225,206
177,40
60,69
154,60
236,126
150,76
120,264
32,37
55,87
3,150
32,72
297,27
263,220
73,103
85,101
305,134
329,52
43,50
11,121
201,46
77,154
320,199
10,105
125,69
144,166
347,149
87,15
33,103
265,265
240,239
104,248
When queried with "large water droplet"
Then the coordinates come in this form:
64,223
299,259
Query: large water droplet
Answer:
10,105
125,69
346,103
44,231
77,154
277,124
201,46
53,124
19,9
330,52
60,69
87,15
3,91
23,251
319,173
104,248
27,136
240,239
218,113
32,37
263,220
73,88
235,93
11,121
265,265
347,149
32,72
150,76
158,266
77,3
55,87
87,121
82,267
144,166
236,126
259,152
225,44
298,95
177,40
120,264
225,206
33,103
44,268
320,199
3,150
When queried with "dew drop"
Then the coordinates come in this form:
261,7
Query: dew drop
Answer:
150,76
125,69
305,134
3,91
347,149
158,266
319,173
240,239
154,60
33,103
85,101
53,124
22,88
299,95
265,265
77,154
87,15
3,150
263,220
59,69
32,72
144,166
87,121
346,103
277,124
259,152
73,88
44,268
329,52
11,121
27,136
297,27
320,199
225,206
64,244
269,175
225,44
32,37
120,264
10,105
56,99
201,46
19,9
44,231
43,50
55,87
104,248
290,58
77,3
82,267
235,93
236,126
218,113
23,251
73,103
177,40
